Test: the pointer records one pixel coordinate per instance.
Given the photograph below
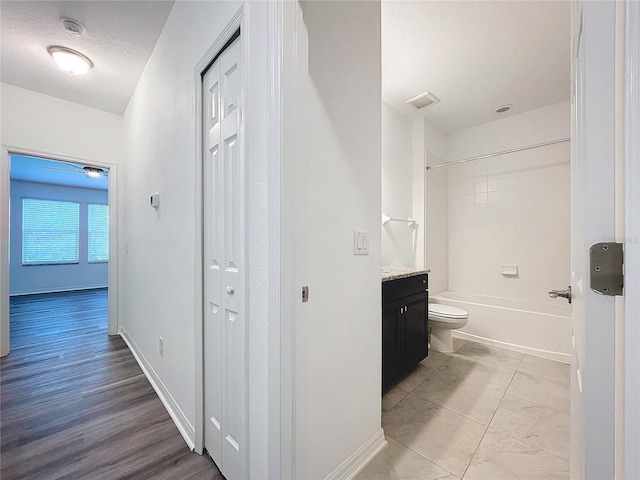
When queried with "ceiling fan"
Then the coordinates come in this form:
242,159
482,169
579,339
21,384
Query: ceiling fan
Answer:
92,172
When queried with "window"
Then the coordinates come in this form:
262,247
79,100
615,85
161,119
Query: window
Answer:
50,232
98,233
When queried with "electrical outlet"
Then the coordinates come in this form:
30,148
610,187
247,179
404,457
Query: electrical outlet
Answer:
161,346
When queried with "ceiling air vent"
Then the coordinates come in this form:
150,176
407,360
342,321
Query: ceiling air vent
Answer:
423,100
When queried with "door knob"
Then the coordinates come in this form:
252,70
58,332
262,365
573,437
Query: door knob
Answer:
229,290
561,293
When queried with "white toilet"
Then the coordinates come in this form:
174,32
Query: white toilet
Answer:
443,319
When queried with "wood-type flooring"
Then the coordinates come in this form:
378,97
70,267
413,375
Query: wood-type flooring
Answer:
75,404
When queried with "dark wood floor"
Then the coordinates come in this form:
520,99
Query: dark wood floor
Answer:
75,405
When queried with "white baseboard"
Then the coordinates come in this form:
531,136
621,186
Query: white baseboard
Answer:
360,458
175,412
557,356
59,290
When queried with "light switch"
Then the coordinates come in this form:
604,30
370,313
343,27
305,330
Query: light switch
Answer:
360,243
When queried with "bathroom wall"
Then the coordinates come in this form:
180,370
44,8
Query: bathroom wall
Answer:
332,164
510,209
437,225
419,179
397,188
436,141
158,276
436,209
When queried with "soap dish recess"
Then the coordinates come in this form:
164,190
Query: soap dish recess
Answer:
510,270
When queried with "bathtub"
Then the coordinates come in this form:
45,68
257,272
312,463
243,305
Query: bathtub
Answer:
538,329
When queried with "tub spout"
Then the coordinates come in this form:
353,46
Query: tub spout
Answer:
561,293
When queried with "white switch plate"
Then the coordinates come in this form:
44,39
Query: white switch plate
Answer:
360,243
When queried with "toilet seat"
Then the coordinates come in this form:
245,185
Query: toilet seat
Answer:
438,310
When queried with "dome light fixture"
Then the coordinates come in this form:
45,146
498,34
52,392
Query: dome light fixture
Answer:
69,60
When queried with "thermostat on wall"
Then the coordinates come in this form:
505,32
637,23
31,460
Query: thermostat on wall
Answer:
154,200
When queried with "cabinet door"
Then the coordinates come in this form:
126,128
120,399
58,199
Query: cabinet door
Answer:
414,332
390,320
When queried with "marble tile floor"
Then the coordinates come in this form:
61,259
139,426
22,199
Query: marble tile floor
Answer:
482,412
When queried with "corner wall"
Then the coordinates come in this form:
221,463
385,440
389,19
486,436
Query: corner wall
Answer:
437,225
332,184
397,188
436,209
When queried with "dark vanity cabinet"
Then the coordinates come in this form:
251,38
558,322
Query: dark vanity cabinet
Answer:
404,326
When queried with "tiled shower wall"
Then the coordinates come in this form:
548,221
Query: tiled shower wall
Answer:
512,210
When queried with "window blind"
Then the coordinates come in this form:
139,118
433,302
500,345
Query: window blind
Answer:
98,233
50,232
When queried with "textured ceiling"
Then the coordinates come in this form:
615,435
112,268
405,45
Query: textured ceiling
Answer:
119,38
42,170
475,56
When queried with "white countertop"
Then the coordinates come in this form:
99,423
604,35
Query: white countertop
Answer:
392,273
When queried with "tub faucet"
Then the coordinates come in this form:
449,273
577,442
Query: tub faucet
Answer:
561,293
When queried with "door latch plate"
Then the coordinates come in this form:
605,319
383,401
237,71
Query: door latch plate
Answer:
606,265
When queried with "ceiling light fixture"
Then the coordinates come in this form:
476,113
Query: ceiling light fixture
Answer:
503,108
93,172
69,60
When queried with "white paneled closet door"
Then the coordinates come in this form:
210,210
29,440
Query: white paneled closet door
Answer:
224,295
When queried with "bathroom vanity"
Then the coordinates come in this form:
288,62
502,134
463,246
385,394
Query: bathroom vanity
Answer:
405,307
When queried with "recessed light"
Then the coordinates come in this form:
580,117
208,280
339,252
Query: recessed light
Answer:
69,60
503,108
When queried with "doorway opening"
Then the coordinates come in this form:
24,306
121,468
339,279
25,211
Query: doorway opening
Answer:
61,256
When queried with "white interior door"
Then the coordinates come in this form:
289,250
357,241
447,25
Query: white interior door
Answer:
592,221
224,292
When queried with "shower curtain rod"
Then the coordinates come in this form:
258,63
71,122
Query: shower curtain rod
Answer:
504,152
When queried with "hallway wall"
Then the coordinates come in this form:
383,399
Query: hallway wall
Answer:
332,170
52,127
159,271
58,127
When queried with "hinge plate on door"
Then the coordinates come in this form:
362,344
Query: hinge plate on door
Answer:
606,266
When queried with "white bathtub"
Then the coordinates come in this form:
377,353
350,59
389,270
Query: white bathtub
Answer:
536,328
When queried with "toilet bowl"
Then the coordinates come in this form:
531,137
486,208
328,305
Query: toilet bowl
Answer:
443,319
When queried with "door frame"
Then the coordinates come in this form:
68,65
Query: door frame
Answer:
237,22
631,378
5,195
280,424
